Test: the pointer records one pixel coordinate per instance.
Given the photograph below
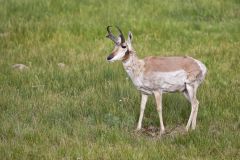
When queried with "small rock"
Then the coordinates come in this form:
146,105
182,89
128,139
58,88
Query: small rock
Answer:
20,67
61,65
5,34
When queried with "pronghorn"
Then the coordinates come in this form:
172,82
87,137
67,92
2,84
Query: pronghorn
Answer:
158,75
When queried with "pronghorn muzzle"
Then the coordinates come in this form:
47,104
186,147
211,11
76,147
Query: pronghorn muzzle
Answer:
110,57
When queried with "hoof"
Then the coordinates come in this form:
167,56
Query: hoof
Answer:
162,132
138,129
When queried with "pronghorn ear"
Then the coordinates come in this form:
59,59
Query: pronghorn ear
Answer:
130,37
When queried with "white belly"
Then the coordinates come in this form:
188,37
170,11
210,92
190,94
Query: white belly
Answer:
165,81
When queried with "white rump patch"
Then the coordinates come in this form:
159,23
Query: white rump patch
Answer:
203,69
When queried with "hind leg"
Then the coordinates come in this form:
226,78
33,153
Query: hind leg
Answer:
191,96
185,93
196,103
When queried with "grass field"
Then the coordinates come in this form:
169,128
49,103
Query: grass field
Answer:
89,109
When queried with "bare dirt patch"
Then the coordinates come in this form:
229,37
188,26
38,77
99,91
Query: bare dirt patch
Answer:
154,132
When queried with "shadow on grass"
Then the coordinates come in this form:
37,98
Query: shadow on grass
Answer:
154,132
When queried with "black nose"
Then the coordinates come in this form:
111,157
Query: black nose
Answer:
110,57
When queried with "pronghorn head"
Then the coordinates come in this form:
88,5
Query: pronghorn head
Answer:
122,48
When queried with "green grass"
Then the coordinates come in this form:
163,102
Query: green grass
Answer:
76,112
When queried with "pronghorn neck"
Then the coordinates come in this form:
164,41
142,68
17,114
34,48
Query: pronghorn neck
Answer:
131,58
133,65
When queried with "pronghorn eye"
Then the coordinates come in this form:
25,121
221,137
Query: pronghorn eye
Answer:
124,46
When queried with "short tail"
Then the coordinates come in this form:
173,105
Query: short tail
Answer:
203,70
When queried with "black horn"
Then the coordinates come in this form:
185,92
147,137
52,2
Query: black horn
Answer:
110,35
121,35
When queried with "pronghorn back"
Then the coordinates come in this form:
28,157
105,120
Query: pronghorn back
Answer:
170,64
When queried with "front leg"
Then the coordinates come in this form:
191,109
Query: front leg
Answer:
142,108
158,97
